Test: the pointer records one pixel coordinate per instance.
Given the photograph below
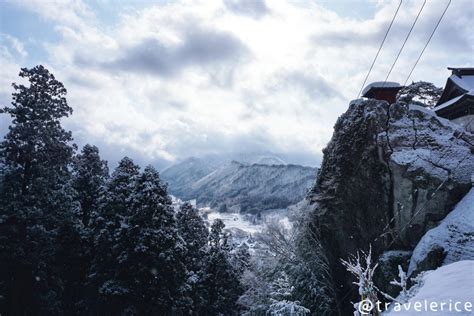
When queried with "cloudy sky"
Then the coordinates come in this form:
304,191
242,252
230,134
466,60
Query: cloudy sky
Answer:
160,81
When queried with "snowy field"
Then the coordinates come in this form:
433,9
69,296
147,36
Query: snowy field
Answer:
245,222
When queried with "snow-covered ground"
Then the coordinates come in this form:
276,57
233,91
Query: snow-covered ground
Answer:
245,222
232,220
448,290
455,235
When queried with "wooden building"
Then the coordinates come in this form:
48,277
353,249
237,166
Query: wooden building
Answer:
382,90
457,101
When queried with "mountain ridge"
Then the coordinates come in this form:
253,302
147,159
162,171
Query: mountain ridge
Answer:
239,186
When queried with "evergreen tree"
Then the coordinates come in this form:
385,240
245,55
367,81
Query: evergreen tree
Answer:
105,294
36,196
147,273
194,232
90,174
420,93
282,298
153,251
221,281
308,271
240,258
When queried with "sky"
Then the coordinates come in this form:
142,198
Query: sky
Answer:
164,80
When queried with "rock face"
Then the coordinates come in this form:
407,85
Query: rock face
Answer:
389,174
451,241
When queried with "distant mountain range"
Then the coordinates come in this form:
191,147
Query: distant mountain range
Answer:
254,184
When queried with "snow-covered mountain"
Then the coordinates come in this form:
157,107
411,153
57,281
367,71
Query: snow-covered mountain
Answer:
181,176
240,186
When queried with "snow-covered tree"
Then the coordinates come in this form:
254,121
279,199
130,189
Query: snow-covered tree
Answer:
363,269
282,298
105,226
156,253
89,175
421,93
195,234
116,201
256,282
221,280
36,195
146,274
240,258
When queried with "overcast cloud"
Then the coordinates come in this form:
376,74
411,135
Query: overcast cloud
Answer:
166,80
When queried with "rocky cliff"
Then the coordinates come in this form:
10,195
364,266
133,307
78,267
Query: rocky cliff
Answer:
389,174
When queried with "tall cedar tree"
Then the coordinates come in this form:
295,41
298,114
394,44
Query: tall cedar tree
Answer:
151,261
89,176
36,197
221,280
114,206
194,232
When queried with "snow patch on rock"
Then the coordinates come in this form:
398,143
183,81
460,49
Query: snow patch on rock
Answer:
455,236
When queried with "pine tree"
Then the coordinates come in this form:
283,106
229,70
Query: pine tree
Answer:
105,294
221,281
146,271
36,196
194,232
152,259
240,258
90,174
420,93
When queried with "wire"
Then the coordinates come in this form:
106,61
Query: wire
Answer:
429,39
380,48
406,39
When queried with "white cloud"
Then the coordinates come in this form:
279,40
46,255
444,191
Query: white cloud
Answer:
192,77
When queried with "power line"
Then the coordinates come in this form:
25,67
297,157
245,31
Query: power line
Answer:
429,39
380,48
406,39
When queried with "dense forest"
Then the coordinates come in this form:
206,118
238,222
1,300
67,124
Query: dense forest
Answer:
76,240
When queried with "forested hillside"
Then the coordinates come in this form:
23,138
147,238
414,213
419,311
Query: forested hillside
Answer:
75,240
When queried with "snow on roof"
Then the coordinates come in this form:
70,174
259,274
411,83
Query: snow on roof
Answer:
448,103
466,82
380,84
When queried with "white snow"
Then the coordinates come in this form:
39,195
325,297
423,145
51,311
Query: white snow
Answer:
431,130
449,287
380,84
422,109
448,103
231,220
455,234
466,82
